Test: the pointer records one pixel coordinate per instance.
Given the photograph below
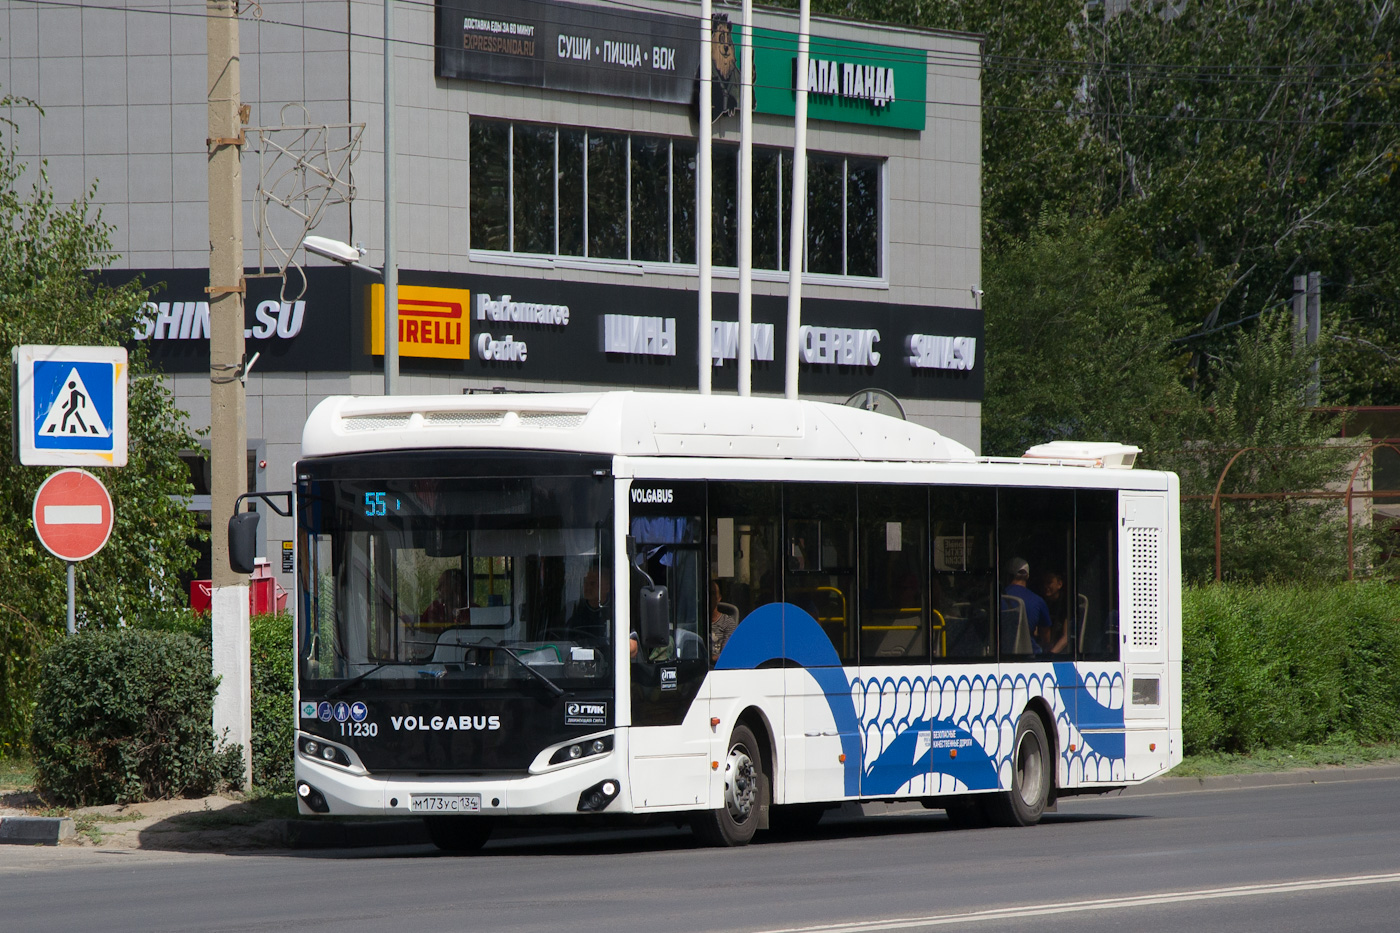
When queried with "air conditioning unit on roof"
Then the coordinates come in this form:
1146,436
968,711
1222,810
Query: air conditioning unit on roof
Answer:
1109,456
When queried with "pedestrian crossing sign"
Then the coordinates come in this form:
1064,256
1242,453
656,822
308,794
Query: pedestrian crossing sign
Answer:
71,406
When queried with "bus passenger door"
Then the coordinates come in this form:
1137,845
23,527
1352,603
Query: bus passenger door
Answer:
1144,570
670,736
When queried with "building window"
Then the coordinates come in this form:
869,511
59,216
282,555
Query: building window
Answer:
556,191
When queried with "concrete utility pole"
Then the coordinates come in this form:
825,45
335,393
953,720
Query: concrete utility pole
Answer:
233,717
1314,332
1307,328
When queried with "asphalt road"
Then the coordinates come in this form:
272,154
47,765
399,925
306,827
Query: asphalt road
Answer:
1301,857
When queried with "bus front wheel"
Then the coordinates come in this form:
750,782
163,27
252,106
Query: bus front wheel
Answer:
735,823
1030,776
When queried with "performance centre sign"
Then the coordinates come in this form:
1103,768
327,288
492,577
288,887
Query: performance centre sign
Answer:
488,327
566,47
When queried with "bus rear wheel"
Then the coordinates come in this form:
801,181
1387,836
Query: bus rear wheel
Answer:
1024,804
735,823
458,833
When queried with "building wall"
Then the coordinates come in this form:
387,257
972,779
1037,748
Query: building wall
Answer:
124,98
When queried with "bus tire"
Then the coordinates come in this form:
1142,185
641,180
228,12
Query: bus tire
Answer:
735,823
1024,804
458,833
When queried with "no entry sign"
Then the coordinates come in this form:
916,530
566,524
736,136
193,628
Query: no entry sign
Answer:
73,514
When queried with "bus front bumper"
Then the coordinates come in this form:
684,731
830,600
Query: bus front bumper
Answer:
561,791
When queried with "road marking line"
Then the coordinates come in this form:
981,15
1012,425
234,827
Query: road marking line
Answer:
1115,903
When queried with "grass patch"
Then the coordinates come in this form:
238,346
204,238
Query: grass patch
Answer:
1338,751
90,824
16,774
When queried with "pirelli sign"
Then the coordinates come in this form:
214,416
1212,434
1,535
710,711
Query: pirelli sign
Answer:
433,322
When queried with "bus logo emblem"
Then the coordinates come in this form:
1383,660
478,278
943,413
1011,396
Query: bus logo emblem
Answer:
580,713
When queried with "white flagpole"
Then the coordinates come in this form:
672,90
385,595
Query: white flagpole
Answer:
702,179
746,91
797,241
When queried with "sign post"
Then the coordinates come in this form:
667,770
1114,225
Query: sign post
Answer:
73,519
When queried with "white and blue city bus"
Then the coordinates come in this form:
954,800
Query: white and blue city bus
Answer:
737,612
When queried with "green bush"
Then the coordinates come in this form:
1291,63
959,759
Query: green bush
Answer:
273,682
1281,665
274,714
125,715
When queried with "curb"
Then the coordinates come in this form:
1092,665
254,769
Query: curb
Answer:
35,830
1337,775
315,834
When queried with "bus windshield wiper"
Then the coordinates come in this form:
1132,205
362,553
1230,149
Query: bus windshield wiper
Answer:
346,686
553,687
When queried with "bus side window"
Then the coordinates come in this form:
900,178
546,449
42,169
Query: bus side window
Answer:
745,556
964,582
894,612
1035,530
1095,618
821,559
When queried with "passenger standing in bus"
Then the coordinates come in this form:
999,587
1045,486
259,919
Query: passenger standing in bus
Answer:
1018,573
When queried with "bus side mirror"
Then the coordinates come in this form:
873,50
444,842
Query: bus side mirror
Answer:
242,541
654,626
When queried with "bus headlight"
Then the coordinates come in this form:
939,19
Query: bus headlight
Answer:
324,751
585,749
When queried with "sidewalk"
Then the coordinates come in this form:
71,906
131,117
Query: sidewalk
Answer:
222,824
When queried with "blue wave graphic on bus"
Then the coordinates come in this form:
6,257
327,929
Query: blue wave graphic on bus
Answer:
1089,713
781,631
897,766
763,637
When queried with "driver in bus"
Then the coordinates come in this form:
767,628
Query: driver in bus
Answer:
593,614
450,607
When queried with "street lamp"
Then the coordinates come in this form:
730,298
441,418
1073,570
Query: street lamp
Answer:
348,255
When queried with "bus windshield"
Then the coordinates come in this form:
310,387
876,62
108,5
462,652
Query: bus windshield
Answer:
434,583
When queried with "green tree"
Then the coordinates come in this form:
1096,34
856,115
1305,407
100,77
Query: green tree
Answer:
1255,405
48,296
1076,349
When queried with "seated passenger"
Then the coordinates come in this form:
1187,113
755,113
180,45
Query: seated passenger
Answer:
1051,587
1018,574
722,624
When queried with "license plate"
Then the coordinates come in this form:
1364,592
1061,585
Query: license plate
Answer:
444,803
